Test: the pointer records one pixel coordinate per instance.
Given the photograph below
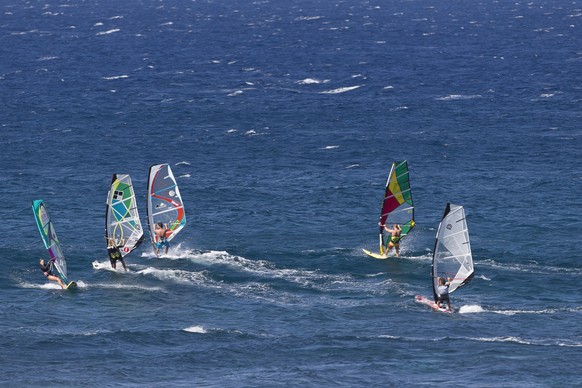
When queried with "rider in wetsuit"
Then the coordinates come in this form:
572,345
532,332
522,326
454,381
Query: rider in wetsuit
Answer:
115,254
47,270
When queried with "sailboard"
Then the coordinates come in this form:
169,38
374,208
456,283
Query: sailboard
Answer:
452,257
397,207
51,241
122,223
164,202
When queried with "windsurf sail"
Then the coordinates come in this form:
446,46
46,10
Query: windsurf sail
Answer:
49,237
122,224
452,258
397,205
164,202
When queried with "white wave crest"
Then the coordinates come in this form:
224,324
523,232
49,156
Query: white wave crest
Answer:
470,309
113,77
196,329
311,81
113,30
453,97
341,90
301,18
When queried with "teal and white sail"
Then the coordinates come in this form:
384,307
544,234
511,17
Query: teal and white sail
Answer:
452,257
122,223
50,239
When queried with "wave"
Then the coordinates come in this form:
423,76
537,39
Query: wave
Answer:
302,18
195,329
470,309
47,58
120,286
113,30
530,268
311,81
265,271
341,90
519,340
113,77
454,97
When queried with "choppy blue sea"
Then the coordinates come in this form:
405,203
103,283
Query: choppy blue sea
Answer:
280,120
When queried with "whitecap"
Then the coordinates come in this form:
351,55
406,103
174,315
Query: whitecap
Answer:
47,58
311,81
469,309
113,30
301,18
503,339
454,97
195,329
182,163
330,147
114,77
341,90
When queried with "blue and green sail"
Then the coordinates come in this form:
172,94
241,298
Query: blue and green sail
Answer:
50,239
122,223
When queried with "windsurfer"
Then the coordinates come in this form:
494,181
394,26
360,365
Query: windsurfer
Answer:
47,270
114,253
443,293
395,236
161,230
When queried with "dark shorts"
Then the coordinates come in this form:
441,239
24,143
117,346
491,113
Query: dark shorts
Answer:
443,298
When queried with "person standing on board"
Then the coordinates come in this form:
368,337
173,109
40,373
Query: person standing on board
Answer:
161,230
115,254
443,293
394,238
47,270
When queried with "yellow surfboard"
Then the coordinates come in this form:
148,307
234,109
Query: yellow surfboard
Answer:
375,255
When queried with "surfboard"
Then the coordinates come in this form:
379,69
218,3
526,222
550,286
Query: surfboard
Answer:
375,255
430,303
71,286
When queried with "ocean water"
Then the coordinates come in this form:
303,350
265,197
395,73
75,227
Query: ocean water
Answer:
280,120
